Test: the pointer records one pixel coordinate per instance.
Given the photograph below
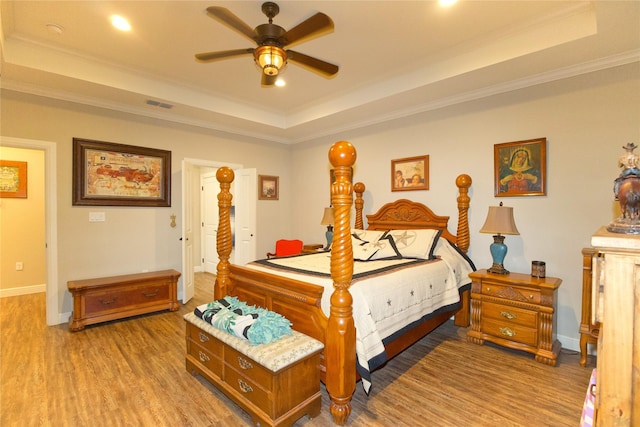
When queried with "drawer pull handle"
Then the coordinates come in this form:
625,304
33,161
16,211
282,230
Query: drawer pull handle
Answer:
508,332
244,363
203,337
109,301
508,315
203,357
151,295
246,388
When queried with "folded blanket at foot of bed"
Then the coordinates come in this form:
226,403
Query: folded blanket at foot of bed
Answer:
257,325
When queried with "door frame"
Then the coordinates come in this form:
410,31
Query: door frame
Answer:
199,163
53,314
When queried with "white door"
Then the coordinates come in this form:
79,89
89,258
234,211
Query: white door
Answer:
209,202
188,288
245,198
247,187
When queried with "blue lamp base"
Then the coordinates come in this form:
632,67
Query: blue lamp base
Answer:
498,252
329,236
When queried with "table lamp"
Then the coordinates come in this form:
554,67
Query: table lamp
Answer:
499,221
327,219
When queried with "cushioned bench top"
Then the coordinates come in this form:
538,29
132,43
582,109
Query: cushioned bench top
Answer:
273,356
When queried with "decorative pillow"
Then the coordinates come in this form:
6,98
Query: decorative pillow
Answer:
381,247
418,243
370,236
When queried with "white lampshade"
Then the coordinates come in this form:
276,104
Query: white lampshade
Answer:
500,221
327,217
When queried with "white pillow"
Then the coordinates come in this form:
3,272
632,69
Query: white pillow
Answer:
380,248
418,243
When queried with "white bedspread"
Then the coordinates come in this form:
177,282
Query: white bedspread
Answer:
388,295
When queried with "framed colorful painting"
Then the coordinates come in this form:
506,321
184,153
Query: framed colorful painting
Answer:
108,174
13,179
520,168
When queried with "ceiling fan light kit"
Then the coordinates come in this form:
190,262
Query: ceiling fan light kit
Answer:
270,55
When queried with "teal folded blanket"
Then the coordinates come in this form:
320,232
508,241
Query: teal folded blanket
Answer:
258,325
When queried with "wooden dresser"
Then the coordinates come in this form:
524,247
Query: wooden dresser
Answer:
517,311
589,329
275,383
109,298
616,305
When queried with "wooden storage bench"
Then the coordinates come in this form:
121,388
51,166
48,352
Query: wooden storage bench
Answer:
275,383
117,297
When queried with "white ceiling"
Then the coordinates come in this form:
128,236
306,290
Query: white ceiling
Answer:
396,58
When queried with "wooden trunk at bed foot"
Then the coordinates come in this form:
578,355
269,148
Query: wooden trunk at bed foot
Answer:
117,297
270,398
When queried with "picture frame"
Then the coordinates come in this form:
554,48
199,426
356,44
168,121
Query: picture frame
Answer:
410,173
268,187
13,179
520,168
110,174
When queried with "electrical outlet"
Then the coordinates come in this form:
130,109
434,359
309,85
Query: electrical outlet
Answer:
19,266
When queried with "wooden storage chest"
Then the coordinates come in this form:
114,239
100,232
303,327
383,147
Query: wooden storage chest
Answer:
109,298
275,383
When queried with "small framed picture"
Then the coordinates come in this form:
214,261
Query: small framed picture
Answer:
13,179
520,168
267,187
410,173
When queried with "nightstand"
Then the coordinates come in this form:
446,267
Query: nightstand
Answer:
516,311
312,248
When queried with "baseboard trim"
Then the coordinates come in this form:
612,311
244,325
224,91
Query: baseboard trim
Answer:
23,290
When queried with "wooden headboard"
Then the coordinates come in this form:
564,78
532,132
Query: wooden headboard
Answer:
406,214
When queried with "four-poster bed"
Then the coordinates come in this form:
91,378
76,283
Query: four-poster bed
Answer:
301,302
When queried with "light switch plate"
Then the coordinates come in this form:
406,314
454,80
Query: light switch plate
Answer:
97,217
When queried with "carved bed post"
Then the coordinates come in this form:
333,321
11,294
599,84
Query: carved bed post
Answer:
359,189
463,182
340,345
225,177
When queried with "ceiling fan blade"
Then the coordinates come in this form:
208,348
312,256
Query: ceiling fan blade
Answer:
268,80
315,26
232,21
315,64
214,56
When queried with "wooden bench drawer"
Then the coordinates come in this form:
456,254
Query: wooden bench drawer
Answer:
210,361
205,340
116,299
248,367
249,389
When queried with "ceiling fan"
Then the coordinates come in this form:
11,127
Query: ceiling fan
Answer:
270,55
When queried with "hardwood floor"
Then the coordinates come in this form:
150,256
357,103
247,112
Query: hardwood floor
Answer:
132,372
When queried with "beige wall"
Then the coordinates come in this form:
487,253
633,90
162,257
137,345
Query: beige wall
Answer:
586,120
22,225
133,239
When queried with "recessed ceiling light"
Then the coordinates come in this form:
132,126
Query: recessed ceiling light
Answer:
447,3
55,28
120,23
280,83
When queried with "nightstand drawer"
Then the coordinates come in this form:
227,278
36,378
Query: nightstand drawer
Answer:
510,331
512,293
508,314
